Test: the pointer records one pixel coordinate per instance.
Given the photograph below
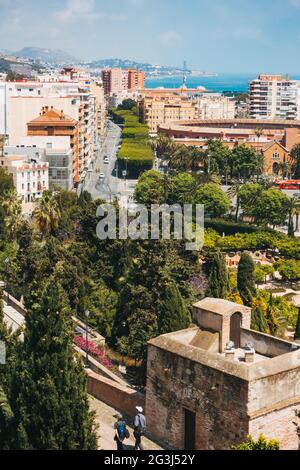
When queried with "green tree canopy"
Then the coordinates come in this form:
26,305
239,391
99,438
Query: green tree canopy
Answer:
216,202
150,189
271,208
260,444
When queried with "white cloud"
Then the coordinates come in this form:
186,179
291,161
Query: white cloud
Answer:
76,9
170,38
84,10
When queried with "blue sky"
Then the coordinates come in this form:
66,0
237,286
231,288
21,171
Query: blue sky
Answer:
223,36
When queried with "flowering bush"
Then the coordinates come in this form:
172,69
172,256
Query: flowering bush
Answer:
94,350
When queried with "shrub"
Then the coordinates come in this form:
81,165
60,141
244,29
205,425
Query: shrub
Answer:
229,227
94,350
261,444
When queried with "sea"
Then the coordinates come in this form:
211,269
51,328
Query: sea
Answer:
219,83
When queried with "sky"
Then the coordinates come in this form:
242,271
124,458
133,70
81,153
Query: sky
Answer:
238,36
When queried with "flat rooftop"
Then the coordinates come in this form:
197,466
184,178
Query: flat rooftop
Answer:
202,346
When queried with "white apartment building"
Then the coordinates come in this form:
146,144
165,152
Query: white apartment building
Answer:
56,151
30,177
115,99
20,102
274,97
215,106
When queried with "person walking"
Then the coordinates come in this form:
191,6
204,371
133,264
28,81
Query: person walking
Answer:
122,432
139,428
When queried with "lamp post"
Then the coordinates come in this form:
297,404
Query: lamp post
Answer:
87,314
6,261
122,367
123,361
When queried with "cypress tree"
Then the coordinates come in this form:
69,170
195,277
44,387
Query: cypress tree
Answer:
291,229
6,413
258,321
173,314
245,279
48,386
215,269
297,332
270,318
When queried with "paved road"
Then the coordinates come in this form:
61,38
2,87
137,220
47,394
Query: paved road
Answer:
106,418
114,184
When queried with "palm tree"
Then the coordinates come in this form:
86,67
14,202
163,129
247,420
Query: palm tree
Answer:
285,168
295,156
47,213
12,206
180,160
234,191
164,146
294,211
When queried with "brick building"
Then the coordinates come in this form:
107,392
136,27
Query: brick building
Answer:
211,385
119,80
274,139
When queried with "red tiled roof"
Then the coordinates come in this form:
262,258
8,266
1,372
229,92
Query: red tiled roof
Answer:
53,116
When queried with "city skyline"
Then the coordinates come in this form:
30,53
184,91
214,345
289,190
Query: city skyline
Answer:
210,36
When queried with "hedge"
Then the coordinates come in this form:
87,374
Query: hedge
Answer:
259,240
136,154
229,227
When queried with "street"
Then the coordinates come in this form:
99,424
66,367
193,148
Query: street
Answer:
114,184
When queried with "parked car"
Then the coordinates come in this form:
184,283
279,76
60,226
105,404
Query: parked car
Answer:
106,160
101,176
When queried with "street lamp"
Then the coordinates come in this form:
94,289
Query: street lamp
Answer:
87,314
6,261
123,361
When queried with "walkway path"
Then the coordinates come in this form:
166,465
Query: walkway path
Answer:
106,418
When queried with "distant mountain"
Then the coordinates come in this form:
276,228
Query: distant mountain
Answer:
4,52
49,56
118,63
150,69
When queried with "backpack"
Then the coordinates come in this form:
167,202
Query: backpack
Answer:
121,428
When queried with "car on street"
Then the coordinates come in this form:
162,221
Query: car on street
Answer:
101,176
106,160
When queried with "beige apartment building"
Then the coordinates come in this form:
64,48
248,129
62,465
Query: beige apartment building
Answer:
156,110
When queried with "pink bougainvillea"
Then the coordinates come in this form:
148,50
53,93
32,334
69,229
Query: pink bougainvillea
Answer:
96,351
